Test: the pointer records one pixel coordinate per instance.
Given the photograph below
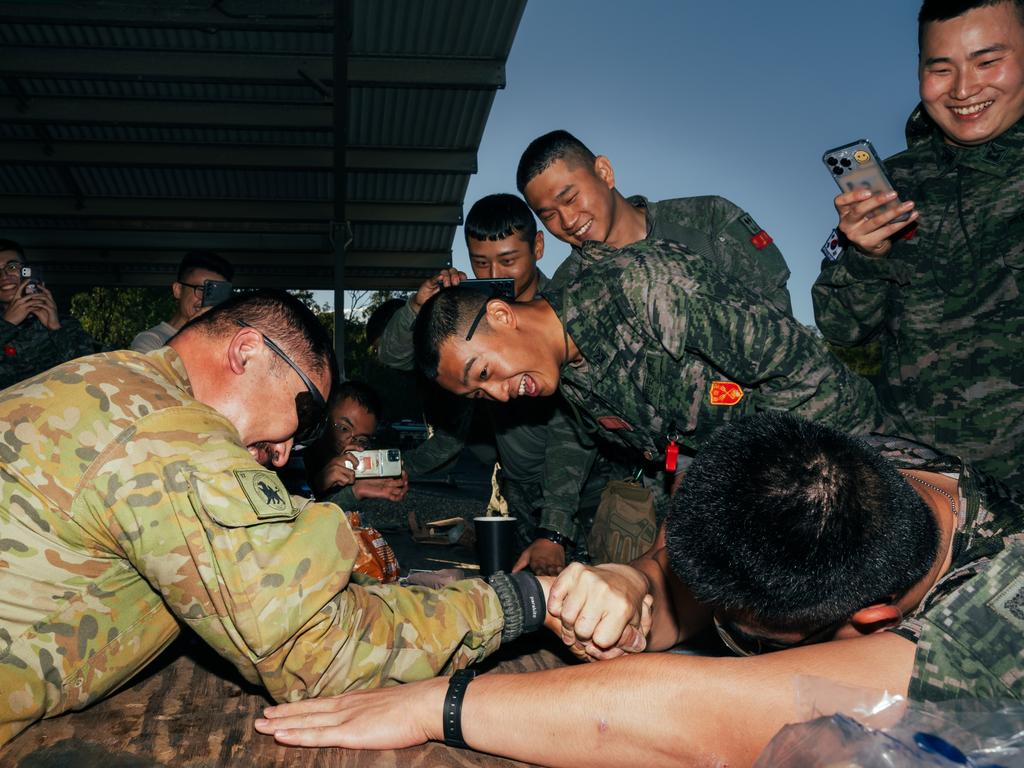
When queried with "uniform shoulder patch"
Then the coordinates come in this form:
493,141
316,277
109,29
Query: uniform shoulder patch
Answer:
266,493
1009,603
725,393
833,247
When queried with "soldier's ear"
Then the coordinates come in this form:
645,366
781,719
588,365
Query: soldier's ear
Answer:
604,171
501,315
538,246
874,618
176,288
242,348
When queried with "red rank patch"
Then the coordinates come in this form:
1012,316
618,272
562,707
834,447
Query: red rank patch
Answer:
909,234
614,422
725,393
761,240
9,351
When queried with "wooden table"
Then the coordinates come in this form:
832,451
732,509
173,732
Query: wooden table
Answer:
189,710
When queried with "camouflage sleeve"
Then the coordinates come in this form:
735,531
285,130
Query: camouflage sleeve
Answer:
264,578
31,348
568,459
970,641
395,349
344,497
752,344
850,295
738,233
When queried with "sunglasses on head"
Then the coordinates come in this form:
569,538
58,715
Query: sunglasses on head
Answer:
310,407
743,644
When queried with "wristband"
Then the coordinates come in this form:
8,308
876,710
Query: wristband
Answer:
457,685
546,533
531,597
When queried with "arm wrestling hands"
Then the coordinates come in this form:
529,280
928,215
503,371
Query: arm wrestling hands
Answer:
865,226
600,612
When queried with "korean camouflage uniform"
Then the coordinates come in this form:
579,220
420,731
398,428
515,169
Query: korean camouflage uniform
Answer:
729,238
969,626
946,304
30,347
541,483
662,331
127,506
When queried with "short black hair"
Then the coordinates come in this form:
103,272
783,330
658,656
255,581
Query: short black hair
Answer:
12,245
546,149
379,319
795,525
944,10
359,392
496,217
208,260
286,320
446,314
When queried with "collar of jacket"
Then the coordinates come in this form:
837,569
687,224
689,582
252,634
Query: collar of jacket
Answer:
639,201
999,157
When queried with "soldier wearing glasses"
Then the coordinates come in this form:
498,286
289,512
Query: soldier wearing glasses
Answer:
135,497
34,336
354,410
188,289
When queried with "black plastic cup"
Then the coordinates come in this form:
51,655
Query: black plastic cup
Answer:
495,544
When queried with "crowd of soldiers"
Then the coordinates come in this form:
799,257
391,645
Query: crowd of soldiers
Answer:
872,535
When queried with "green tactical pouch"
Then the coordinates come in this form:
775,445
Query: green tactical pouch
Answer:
624,525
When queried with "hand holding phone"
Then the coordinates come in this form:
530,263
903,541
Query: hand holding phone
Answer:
32,286
870,212
383,462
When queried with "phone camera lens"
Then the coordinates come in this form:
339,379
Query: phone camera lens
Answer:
832,161
845,162
837,170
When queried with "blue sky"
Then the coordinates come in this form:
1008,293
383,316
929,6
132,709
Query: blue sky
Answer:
735,98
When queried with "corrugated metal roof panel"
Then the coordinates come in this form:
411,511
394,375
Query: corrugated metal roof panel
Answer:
182,38
435,117
412,187
113,88
179,135
232,184
459,28
30,180
402,237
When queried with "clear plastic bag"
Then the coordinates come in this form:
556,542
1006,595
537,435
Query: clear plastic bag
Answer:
854,728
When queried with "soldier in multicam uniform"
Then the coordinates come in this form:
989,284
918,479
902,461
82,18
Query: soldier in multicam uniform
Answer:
133,497
552,489
573,192
943,293
651,345
33,335
786,535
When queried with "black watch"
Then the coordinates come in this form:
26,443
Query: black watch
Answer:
546,533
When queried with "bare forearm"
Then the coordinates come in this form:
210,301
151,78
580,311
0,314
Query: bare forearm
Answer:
666,709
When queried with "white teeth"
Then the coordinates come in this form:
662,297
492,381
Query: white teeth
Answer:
522,386
971,110
583,230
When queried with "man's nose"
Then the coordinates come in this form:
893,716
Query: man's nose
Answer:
965,84
280,452
497,390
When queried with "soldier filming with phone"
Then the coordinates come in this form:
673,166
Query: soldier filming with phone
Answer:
933,270
203,281
34,335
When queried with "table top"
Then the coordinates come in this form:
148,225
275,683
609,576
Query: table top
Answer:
189,709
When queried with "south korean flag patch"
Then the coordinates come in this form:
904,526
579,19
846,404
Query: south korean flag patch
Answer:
834,245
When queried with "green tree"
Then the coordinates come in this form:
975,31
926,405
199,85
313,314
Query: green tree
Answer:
113,316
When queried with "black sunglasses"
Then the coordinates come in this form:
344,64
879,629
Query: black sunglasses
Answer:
743,644
310,406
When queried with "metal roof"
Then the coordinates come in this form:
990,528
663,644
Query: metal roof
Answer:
135,130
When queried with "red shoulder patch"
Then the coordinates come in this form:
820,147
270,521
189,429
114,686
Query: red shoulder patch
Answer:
761,240
614,422
725,393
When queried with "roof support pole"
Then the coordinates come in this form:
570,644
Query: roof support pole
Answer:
342,232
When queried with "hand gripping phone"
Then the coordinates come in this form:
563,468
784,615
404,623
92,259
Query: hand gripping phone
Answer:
32,286
857,166
215,291
383,462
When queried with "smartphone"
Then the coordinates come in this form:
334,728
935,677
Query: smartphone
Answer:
498,287
857,166
33,282
215,291
383,462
